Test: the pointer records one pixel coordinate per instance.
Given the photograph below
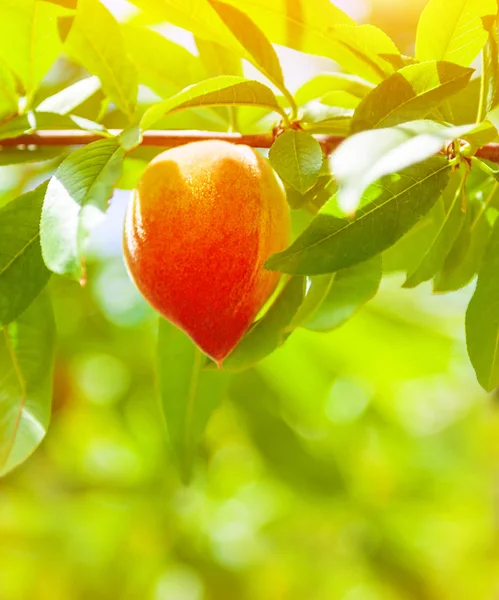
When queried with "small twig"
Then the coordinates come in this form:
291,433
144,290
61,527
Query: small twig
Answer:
171,138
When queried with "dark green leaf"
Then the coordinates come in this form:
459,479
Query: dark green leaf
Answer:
453,31
348,291
269,332
75,200
219,91
23,273
297,158
439,247
482,317
466,256
26,363
391,207
95,41
411,93
189,394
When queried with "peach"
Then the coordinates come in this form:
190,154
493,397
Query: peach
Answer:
203,219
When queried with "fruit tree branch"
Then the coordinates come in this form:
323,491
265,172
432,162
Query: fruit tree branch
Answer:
169,139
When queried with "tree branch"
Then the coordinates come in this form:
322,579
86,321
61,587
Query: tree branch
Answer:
169,139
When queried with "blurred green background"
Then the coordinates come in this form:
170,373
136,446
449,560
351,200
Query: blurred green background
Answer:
356,465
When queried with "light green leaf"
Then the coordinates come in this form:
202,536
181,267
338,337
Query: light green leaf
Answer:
371,53
23,273
390,208
269,332
218,91
8,93
26,364
70,97
196,16
321,118
327,83
482,318
189,393
130,175
439,247
297,158
348,291
29,39
409,94
75,201
490,73
319,27
10,155
218,60
162,65
453,31
365,157
95,41
17,126
259,49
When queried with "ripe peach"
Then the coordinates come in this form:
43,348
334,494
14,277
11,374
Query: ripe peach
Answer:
203,219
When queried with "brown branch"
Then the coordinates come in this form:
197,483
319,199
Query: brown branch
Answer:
169,139
165,139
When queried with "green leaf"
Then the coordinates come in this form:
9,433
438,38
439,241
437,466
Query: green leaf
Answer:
269,332
23,273
189,393
260,51
319,27
285,452
17,126
218,91
440,246
75,201
10,155
297,158
371,53
348,291
26,364
95,41
29,39
218,60
466,256
490,72
197,16
409,94
482,317
131,173
365,157
321,118
161,64
70,97
453,31
8,93
326,83
391,207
